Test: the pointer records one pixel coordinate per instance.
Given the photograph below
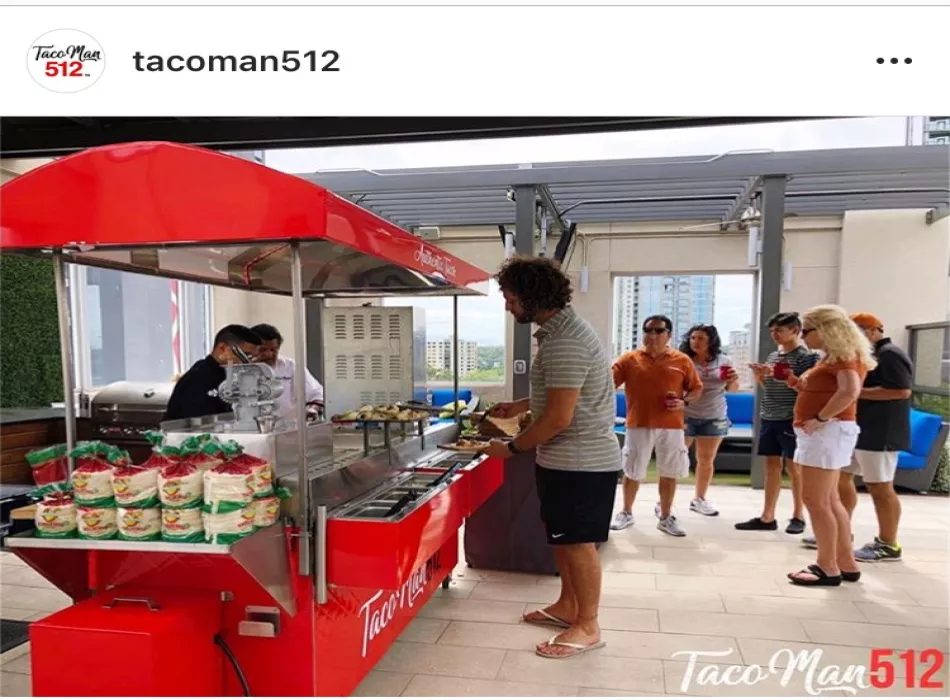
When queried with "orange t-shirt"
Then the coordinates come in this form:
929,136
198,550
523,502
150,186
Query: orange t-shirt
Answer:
646,381
821,383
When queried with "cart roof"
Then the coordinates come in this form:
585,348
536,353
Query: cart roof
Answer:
190,213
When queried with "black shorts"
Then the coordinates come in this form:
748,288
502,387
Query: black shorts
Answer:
777,439
576,506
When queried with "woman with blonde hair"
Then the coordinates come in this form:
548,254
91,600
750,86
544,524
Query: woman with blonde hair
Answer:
825,425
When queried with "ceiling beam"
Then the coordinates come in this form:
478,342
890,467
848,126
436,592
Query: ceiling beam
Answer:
743,200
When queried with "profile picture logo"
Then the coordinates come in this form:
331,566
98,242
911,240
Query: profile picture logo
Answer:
65,60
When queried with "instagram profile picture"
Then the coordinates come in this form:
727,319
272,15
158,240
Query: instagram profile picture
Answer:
65,60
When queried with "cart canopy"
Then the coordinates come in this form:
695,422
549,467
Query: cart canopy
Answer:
193,214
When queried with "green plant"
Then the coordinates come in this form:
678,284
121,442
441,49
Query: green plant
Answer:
941,482
31,370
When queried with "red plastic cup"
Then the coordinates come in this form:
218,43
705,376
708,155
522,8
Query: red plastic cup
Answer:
669,397
781,371
724,372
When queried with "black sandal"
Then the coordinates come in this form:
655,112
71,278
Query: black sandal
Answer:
822,579
851,576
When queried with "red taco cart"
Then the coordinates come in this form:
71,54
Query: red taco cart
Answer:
308,605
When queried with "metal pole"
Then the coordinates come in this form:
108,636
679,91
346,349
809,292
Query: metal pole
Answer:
300,397
321,555
525,217
455,356
770,292
65,344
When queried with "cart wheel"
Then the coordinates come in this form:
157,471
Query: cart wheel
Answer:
445,583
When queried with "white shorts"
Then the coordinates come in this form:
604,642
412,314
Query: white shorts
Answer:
830,447
672,459
873,467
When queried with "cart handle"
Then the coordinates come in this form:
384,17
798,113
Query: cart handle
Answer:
151,604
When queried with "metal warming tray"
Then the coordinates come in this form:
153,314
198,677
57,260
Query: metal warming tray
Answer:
394,502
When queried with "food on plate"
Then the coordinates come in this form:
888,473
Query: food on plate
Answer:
371,413
181,485
49,465
92,477
229,483
56,513
96,523
139,524
225,523
183,525
262,472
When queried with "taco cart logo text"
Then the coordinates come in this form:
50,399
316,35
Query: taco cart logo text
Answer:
437,262
65,60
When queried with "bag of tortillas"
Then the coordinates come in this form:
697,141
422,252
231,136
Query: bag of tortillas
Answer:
203,451
49,465
95,523
268,508
92,477
180,485
229,483
182,525
56,513
262,473
139,524
135,487
225,523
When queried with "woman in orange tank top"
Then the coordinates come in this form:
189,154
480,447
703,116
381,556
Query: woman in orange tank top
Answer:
825,426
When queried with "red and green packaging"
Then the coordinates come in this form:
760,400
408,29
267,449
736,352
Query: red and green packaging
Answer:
262,472
92,476
50,465
56,513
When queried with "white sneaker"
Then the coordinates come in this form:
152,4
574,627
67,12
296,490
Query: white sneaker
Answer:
670,527
622,521
703,507
658,511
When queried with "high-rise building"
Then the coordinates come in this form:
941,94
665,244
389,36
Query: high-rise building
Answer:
740,351
686,300
936,131
439,355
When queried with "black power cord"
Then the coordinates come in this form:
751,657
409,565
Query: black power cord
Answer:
234,664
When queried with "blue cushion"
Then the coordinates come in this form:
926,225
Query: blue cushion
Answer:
441,397
740,408
743,426
621,405
905,460
924,428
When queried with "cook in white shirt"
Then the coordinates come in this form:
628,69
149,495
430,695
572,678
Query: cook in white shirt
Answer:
284,369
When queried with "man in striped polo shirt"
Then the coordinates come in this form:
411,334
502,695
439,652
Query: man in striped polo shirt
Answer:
776,434
578,456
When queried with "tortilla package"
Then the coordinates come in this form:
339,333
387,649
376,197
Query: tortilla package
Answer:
268,508
229,483
139,524
92,477
183,525
204,455
262,472
96,523
56,513
225,523
180,485
49,465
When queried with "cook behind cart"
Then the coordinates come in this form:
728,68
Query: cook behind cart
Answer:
195,393
285,370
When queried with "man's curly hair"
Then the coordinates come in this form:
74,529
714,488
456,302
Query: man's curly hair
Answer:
539,284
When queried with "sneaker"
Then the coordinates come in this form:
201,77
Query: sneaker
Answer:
703,507
658,511
621,521
878,551
796,526
670,527
757,524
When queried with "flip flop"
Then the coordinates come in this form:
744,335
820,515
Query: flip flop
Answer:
576,648
551,620
821,578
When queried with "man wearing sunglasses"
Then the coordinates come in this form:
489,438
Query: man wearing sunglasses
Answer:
196,392
659,382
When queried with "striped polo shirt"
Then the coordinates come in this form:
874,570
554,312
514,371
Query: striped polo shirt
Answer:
778,401
571,356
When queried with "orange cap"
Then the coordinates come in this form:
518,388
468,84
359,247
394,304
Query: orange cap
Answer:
867,320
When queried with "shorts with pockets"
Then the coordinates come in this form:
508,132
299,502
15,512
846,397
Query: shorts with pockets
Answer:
672,458
829,447
703,427
576,506
777,439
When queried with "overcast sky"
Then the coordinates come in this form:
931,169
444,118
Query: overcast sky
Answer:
482,319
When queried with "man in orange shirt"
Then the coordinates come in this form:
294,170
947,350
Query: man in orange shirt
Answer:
659,383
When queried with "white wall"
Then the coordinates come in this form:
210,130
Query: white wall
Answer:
895,265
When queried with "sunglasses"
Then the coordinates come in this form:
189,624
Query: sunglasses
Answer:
240,354
656,331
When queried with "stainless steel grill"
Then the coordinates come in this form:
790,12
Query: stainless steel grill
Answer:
124,411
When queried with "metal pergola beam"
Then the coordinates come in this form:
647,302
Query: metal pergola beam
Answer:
741,201
842,162
937,213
